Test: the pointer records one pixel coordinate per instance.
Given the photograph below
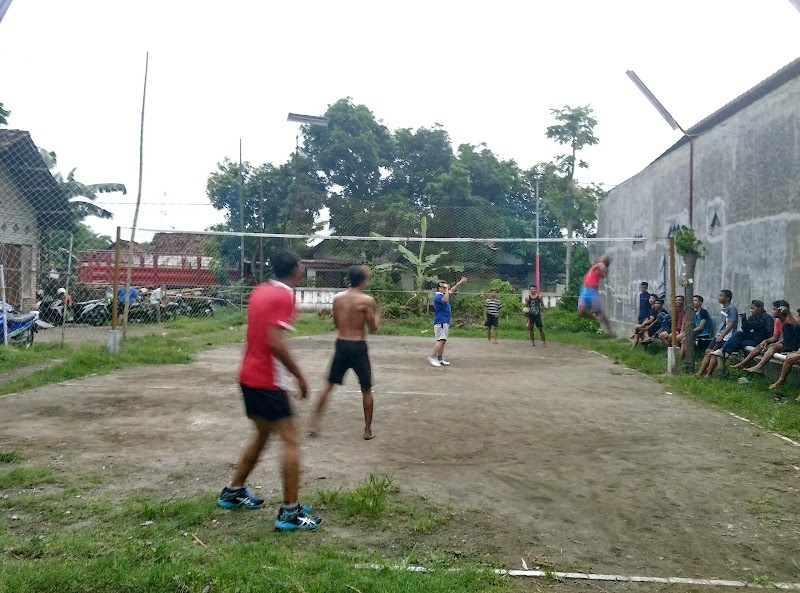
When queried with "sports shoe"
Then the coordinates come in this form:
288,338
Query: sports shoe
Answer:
238,498
434,361
444,363
297,518
718,352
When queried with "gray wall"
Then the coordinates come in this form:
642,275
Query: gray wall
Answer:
746,211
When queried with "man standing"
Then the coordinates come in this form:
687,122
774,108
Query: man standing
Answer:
533,304
589,299
644,303
263,378
157,301
441,320
491,315
729,320
352,310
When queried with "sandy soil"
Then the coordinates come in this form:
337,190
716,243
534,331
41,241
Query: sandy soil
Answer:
552,455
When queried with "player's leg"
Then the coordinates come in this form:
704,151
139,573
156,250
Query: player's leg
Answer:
530,331
791,359
538,322
363,370
339,366
292,515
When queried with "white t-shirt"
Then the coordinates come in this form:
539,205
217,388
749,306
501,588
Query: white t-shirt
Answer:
156,296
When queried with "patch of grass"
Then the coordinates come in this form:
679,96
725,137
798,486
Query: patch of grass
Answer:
150,544
26,477
178,343
10,456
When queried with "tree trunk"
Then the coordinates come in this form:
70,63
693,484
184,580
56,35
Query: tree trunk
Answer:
570,231
690,259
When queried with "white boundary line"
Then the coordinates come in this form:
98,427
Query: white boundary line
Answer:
780,436
601,577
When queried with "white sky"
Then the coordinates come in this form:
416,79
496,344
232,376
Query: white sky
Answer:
71,72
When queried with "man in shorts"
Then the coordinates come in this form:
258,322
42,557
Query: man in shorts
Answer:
264,379
533,303
729,322
352,310
491,315
441,320
589,299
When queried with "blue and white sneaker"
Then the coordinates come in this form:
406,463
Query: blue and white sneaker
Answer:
296,518
238,498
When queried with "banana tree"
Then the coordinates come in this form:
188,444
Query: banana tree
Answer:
73,188
420,265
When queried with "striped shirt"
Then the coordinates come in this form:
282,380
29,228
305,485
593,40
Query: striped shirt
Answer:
493,307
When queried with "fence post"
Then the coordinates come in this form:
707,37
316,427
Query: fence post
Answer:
112,343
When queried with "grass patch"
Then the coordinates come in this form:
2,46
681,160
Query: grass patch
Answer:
26,477
183,545
177,342
10,456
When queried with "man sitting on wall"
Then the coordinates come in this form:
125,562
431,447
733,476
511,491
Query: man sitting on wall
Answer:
755,329
729,320
680,319
777,330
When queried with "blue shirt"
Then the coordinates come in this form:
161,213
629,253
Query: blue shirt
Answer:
644,306
441,310
698,316
132,293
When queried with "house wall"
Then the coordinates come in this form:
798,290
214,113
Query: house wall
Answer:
18,227
746,211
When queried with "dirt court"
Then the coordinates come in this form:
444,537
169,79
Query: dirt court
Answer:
553,455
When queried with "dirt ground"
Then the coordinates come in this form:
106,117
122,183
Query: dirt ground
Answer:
552,455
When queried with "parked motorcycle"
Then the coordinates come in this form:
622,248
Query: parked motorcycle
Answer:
21,327
93,312
51,312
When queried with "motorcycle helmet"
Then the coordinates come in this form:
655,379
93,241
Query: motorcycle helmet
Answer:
61,291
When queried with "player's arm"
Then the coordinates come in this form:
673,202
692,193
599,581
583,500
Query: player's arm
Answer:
335,312
701,326
276,340
370,316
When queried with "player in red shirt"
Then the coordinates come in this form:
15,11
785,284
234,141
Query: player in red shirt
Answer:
264,378
589,299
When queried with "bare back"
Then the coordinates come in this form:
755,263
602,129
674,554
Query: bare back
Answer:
352,310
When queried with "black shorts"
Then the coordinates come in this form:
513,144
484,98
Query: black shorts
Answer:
269,404
702,342
351,354
535,319
492,320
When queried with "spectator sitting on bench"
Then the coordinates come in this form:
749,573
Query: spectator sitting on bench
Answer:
787,342
755,329
702,326
664,321
789,361
680,319
729,320
776,336
648,327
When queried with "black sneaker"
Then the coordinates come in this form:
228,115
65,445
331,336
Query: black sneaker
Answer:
297,518
238,498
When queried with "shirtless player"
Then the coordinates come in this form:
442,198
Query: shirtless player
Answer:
352,310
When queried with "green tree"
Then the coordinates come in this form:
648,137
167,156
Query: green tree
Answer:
73,188
572,205
4,113
272,201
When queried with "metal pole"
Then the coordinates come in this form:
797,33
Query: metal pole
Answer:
672,291
241,217
538,286
66,287
691,179
261,239
114,297
4,312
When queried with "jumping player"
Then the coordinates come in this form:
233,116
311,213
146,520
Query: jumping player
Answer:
589,300
352,310
264,379
441,320
533,304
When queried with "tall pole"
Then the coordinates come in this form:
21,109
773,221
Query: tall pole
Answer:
114,296
66,287
261,239
241,218
538,286
4,312
691,177
138,205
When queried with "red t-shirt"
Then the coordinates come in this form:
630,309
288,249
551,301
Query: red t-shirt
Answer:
270,304
593,276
